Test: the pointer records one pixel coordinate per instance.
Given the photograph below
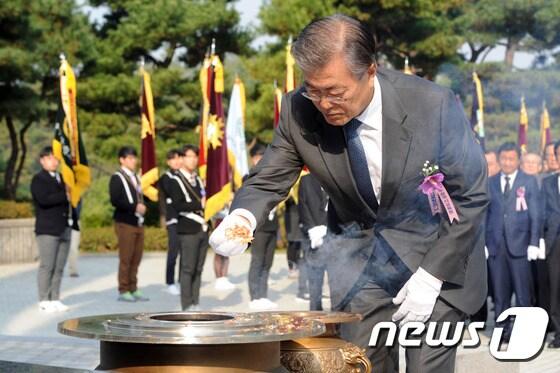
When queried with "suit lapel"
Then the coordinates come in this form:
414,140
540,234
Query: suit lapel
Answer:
516,184
396,141
332,147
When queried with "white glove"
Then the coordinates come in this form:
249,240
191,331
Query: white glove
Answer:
418,297
532,253
218,240
316,235
486,253
542,249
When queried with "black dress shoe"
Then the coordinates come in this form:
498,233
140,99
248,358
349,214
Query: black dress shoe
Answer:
554,344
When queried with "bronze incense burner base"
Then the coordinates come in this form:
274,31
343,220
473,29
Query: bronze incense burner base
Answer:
205,342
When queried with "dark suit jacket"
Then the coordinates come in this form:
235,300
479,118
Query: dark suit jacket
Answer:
123,199
421,121
312,203
164,185
185,198
551,197
51,204
522,228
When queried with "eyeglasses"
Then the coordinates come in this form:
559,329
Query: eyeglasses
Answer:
329,98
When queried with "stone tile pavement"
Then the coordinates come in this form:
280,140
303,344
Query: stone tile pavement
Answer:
27,335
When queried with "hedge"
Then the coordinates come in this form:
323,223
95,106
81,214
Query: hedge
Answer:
15,210
104,239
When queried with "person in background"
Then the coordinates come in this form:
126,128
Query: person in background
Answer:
75,241
174,162
551,193
293,235
262,251
52,230
550,160
492,161
127,199
313,202
187,198
532,164
512,232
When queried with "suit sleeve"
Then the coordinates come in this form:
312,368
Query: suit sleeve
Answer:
463,164
118,196
270,181
43,197
178,200
305,215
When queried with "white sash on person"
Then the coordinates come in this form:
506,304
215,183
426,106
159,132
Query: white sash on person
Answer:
129,197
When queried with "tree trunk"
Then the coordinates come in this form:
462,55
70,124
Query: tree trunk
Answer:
511,48
9,190
23,154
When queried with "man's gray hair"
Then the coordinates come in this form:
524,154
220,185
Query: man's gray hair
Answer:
325,37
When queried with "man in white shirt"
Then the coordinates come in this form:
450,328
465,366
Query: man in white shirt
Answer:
366,133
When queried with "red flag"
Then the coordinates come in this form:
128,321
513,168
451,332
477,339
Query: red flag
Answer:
148,135
523,127
218,179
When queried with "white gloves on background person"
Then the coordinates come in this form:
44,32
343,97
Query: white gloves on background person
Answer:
533,253
228,247
417,297
542,249
316,235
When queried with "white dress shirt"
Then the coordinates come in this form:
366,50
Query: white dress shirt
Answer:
132,177
370,133
511,180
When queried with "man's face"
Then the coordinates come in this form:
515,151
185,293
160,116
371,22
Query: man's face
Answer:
130,162
190,161
509,161
531,164
551,162
493,166
49,163
334,80
175,163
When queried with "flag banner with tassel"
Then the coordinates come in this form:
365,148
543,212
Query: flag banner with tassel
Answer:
477,112
202,144
67,143
148,136
277,104
523,127
218,181
235,133
546,138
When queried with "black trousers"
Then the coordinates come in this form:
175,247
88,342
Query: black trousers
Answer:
173,248
193,255
316,276
262,255
553,261
293,254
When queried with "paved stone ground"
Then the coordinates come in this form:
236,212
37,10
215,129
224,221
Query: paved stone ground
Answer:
27,335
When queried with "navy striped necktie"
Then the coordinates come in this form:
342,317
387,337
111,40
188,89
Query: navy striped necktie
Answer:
358,164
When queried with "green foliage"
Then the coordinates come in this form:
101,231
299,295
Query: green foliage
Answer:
104,239
15,210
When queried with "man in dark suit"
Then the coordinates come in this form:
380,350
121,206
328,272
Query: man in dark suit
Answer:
512,231
366,133
127,199
551,193
187,198
52,230
175,162
313,201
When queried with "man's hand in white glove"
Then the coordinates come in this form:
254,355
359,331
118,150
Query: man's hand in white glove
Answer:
316,235
486,253
542,249
532,253
417,297
227,246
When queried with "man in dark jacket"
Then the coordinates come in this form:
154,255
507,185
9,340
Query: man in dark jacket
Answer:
313,201
262,251
128,201
175,162
187,197
50,199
